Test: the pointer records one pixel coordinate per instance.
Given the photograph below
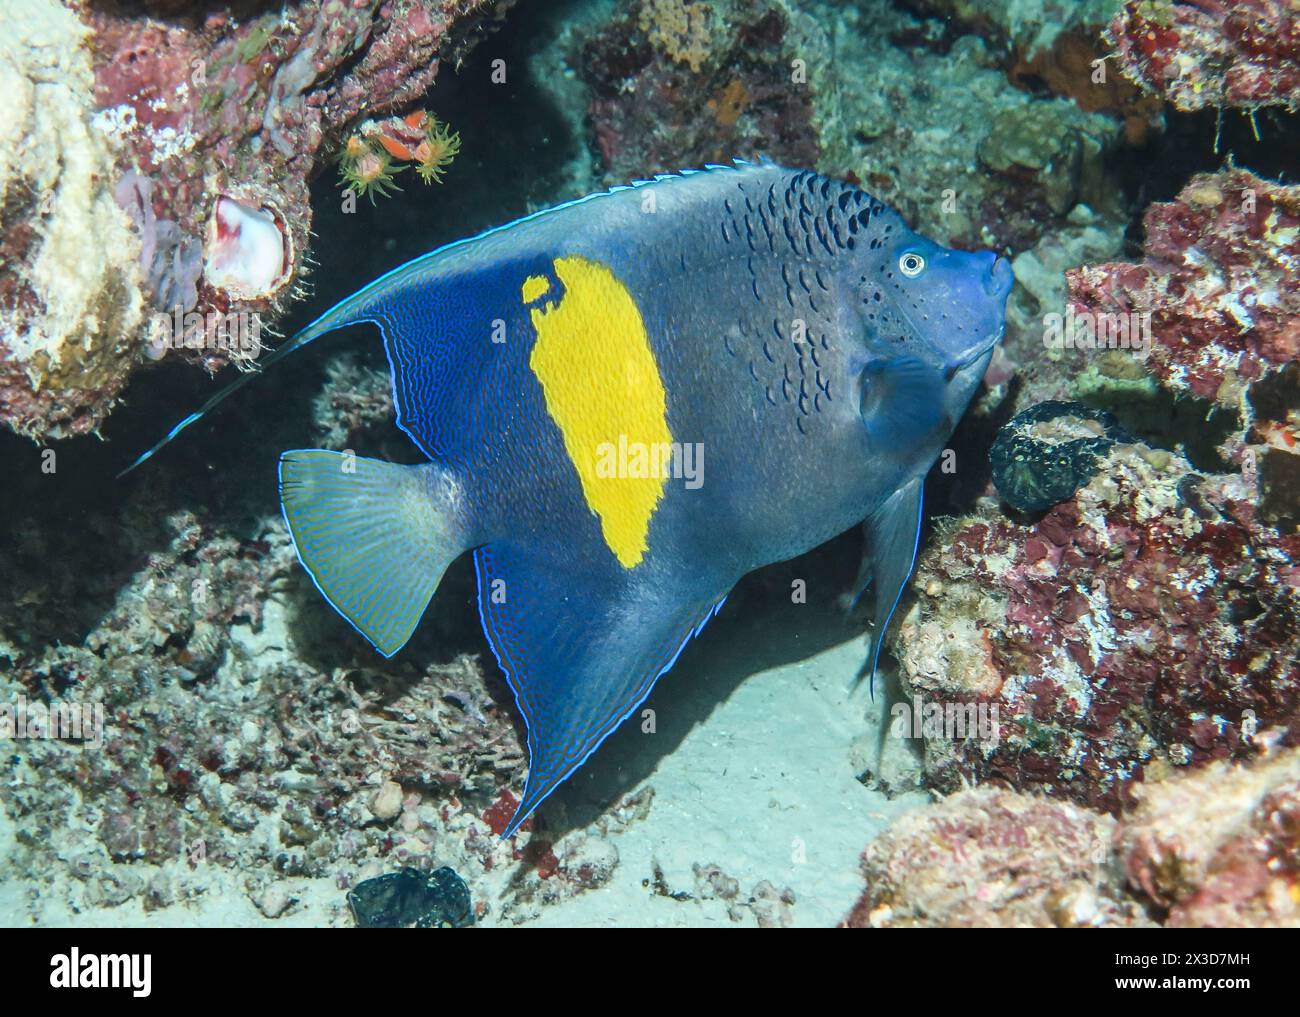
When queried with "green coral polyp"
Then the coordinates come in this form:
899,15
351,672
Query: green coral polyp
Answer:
435,153
369,174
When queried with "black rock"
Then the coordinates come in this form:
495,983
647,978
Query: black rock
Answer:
1033,472
412,898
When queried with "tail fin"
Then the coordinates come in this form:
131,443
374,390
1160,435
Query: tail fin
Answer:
375,537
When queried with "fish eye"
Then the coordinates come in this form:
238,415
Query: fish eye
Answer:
911,264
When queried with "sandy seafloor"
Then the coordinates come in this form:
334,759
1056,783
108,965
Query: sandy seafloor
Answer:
759,780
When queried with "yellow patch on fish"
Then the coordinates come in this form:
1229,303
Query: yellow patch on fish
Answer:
534,287
603,390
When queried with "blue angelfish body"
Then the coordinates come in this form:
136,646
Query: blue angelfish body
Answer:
628,403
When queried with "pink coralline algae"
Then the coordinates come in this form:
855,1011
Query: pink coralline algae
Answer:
1237,53
1215,847
1153,616
1220,847
1150,619
989,858
1219,281
206,127
1220,291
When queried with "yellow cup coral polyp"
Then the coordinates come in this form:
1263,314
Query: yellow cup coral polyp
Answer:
368,173
366,164
439,147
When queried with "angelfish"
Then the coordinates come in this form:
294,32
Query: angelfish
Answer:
789,331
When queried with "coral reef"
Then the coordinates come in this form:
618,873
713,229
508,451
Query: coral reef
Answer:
1243,53
1040,292
70,265
988,166
174,661
225,749
1056,47
1217,290
1212,848
994,858
648,68
1091,627
1131,612
1219,847
206,128
1189,347
1092,631
1148,616
1026,28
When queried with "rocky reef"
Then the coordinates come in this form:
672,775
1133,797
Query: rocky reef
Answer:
1215,847
1243,54
1215,301
1125,601
1055,47
1094,631
225,748
155,188
649,66
1131,619
993,858
71,300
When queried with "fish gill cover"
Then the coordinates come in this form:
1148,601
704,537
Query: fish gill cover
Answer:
1096,657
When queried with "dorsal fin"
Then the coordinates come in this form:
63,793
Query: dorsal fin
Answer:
339,316
363,305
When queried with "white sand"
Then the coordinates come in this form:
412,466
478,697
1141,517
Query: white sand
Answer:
762,786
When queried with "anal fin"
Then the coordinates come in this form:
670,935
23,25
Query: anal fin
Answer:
581,645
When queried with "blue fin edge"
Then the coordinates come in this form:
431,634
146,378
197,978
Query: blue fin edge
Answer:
882,627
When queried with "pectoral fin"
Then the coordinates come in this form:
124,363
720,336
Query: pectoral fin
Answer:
902,400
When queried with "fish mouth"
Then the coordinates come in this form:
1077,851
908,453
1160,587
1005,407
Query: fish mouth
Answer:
952,367
1001,278
998,287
